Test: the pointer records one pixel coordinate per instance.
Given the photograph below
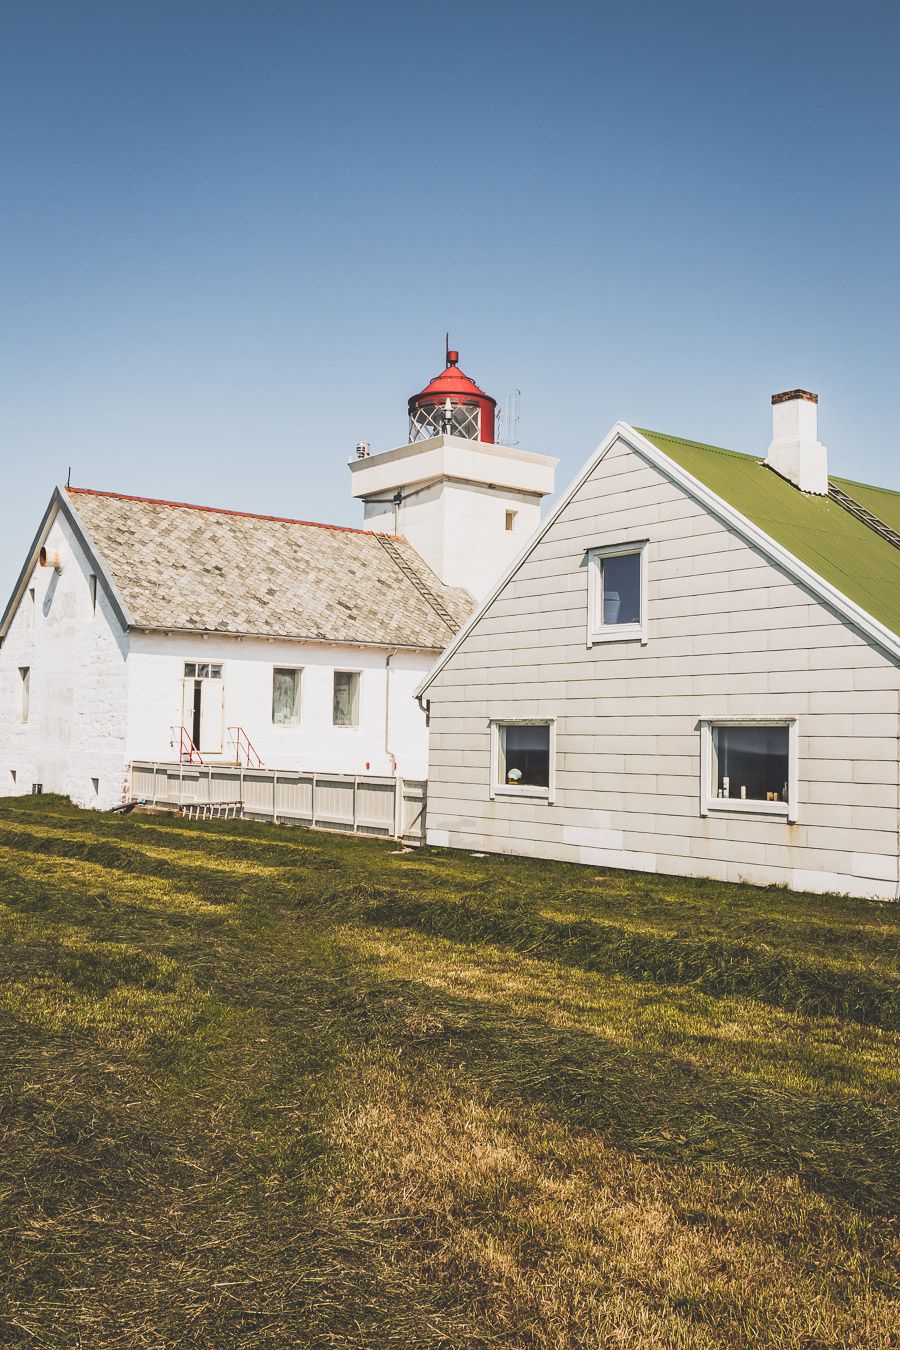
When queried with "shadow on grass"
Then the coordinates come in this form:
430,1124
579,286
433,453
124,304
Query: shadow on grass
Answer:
657,1105
716,965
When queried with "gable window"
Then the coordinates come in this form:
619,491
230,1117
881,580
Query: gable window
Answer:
286,696
92,583
29,608
511,521
617,593
24,692
346,698
522,758
749,764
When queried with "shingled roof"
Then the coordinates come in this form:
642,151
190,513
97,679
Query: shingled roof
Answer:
182,567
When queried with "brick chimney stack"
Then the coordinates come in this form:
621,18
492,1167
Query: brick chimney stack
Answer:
796,451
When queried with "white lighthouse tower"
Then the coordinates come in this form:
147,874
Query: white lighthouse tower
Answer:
465,504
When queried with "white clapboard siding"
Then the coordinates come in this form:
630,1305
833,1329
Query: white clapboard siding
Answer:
729,635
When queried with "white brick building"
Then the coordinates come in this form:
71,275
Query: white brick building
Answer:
152,631
693,669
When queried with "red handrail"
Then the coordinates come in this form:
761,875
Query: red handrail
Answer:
187,747
244,746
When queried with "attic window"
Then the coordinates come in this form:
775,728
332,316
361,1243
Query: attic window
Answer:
29,608
617,593
92,582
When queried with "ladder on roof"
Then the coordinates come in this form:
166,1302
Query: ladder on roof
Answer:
420,584
853,508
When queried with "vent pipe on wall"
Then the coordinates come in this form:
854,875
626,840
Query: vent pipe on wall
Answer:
51,558
796,451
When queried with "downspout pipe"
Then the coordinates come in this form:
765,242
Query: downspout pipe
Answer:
387,710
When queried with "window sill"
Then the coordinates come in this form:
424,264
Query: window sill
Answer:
511,791
625,632
730,805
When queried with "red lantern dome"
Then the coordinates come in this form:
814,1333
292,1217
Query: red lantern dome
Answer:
452,405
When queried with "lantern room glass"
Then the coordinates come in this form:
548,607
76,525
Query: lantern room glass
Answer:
435,419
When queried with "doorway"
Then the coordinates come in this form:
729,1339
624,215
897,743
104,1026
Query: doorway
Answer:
203,706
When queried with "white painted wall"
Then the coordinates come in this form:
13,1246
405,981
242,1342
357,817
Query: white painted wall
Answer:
729,634
460,530
76,724
156,668
456,494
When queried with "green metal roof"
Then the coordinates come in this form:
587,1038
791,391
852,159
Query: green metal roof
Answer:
819,532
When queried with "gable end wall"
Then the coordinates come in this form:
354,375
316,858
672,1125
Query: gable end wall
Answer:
729,635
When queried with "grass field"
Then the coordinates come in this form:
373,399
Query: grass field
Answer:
269,1088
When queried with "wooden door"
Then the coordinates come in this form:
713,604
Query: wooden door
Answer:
212,717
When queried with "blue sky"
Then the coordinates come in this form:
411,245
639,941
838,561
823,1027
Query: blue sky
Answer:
232,235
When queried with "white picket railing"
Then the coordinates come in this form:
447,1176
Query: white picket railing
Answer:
354,803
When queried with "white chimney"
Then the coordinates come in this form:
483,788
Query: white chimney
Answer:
796,451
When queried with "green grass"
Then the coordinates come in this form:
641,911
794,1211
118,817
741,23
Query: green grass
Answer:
267,1088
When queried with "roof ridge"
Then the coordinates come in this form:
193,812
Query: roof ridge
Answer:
226,511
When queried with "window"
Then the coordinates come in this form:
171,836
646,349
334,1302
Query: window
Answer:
285,697
201,670
511,521
29,608
522,758
95,784
346,698
617,591
750,765
92,583
24,692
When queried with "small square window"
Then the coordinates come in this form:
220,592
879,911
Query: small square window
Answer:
522,758
286,697
24,692
346,698
190,670
750,766
617,585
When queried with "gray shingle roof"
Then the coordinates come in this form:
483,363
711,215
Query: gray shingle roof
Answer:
189,567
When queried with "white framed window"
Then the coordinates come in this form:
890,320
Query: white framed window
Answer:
523,758
286,696
617,593
202,670
749,764
24,692
345,704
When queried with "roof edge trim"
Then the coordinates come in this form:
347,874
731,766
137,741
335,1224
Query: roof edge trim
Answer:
28,566
206,633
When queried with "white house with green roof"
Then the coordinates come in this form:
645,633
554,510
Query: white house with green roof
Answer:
692,668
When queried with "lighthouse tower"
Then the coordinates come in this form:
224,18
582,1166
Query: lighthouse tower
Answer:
465,504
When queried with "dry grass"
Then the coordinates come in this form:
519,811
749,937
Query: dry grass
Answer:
271,1089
